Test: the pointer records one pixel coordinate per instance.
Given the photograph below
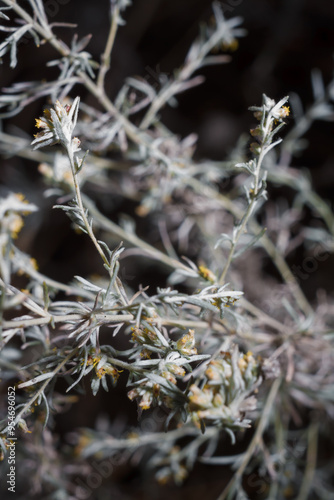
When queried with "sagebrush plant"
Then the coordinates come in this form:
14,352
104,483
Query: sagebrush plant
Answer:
211,358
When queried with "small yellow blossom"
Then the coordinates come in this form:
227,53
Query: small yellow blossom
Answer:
199,399
132,435
169,376
176,369
284,111
242,363
231,45
142,210
145,354
84,441
33,263
23,426
207,274
181,474
146,401
186,343
15,225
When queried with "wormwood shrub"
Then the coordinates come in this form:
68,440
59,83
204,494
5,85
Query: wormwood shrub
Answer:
207,355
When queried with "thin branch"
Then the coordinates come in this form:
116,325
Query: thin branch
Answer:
311,462
105,58
101,318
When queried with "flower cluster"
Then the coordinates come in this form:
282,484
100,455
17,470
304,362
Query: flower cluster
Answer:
271,117
99,367
158,386
147,391
176,474
145,336
12,208
225,396
186,344
57,126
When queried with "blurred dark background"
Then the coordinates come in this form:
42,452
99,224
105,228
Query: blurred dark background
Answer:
286,39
